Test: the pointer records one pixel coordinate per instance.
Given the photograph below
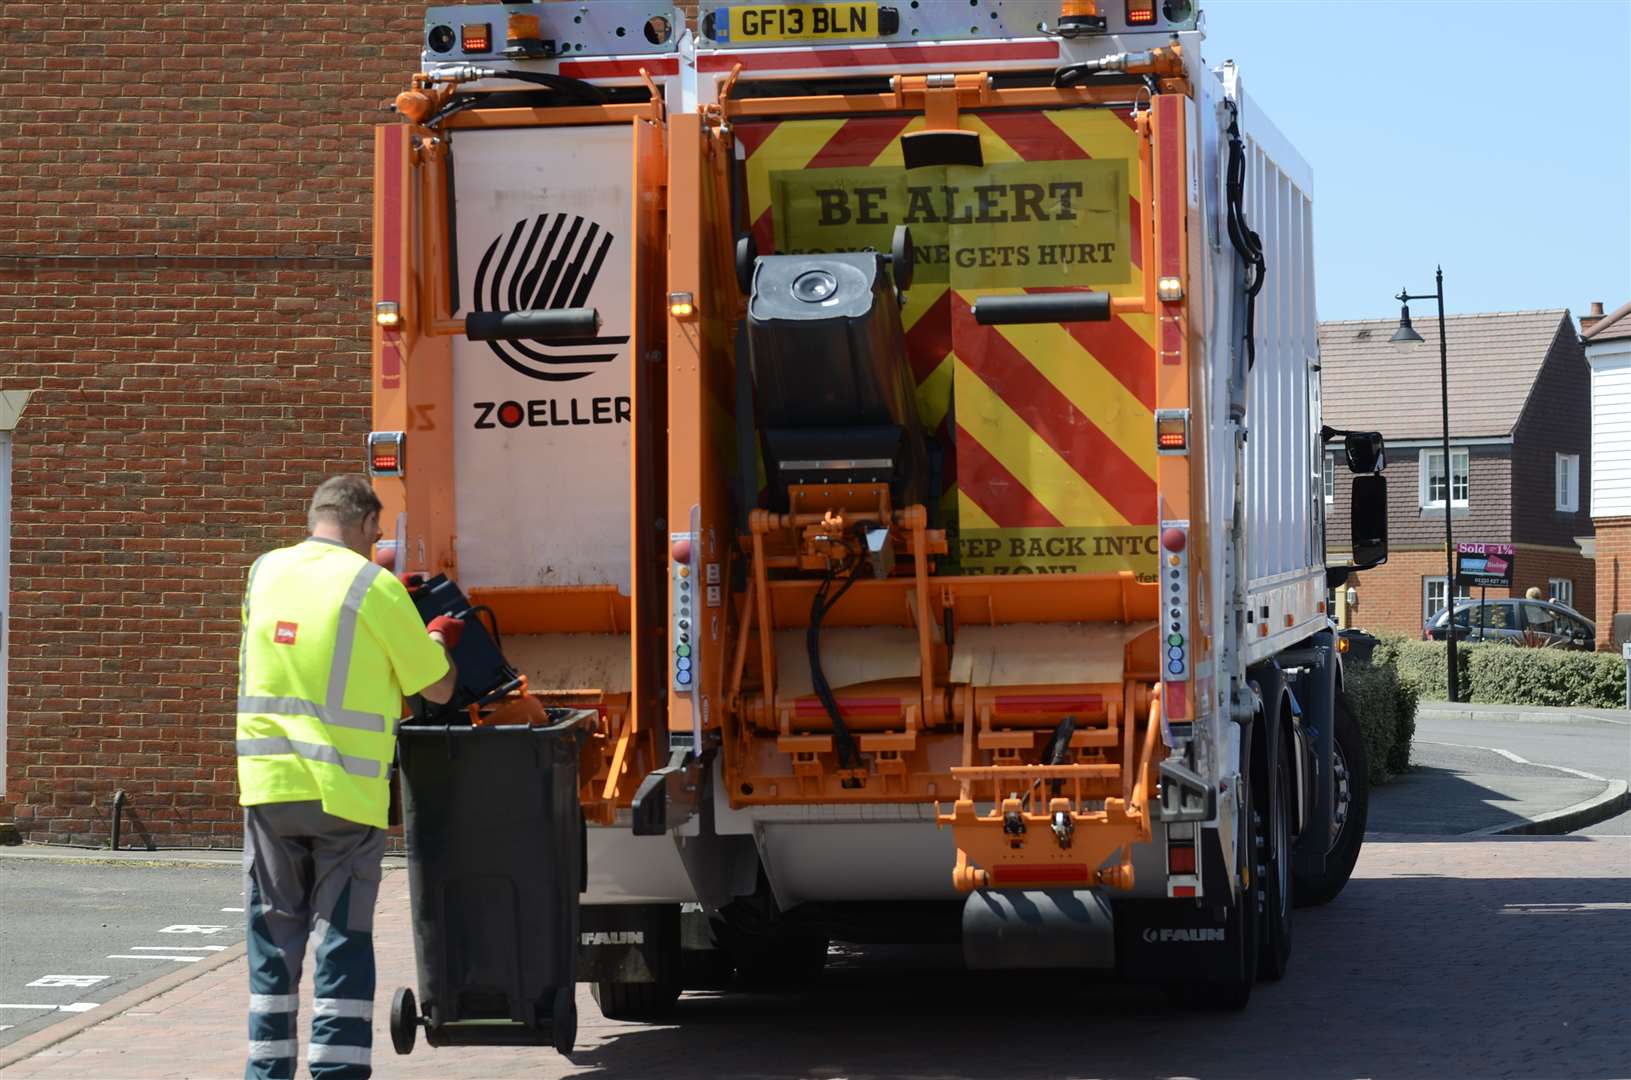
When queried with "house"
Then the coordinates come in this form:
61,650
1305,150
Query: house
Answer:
1608,351
1520,419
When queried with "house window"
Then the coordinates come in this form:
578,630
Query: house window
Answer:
1432,478
1561,590
1568,482
1432,596
1330,479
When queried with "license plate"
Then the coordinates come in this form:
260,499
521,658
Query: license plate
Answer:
802,22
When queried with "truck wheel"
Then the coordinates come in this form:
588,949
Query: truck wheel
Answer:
404,1020
1273,890
634,1001
1350,806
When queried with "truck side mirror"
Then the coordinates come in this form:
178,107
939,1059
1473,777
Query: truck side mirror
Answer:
1364,451
1369,520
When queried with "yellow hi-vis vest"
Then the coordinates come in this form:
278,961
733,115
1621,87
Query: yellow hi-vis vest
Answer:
331,643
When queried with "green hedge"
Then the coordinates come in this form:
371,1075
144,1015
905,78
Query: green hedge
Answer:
1501,674
1505,675
1386,711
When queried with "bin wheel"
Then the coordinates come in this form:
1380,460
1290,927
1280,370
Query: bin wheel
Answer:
404,1020
564,1019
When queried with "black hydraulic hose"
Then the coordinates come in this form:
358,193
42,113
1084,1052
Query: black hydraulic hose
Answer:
1246,242
572,92
844,742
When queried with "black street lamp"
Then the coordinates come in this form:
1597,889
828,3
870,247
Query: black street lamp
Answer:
1406,334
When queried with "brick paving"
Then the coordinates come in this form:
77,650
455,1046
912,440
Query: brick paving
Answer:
1497,958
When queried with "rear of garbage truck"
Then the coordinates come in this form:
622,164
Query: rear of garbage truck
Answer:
889,439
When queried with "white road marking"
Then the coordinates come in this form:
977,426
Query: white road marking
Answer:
239,910
1510,756
178,948
192,928
1563,909
70,980
154,956
76,1007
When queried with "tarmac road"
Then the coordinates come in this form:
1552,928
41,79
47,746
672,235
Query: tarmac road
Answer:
1477,958
77,933
1598,747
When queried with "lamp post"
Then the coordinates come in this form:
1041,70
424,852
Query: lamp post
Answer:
1406,334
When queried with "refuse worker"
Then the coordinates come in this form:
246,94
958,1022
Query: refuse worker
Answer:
331,643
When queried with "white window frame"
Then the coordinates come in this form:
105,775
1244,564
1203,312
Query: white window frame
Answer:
1561,590
1329,480
1568,483
1428,612
1460,460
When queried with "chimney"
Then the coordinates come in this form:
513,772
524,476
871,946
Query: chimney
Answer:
1592,319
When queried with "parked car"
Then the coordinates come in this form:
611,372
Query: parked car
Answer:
1539,623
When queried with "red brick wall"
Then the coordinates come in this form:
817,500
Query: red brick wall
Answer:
184,230
1613,575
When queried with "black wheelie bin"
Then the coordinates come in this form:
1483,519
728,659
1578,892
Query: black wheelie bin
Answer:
495,860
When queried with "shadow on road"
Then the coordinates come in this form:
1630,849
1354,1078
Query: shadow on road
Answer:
1430,803
1399,977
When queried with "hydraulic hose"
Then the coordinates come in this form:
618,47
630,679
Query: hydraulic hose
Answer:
1246,242
844,742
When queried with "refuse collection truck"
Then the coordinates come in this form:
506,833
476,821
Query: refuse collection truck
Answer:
894,432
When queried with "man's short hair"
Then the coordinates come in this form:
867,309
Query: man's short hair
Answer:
343,499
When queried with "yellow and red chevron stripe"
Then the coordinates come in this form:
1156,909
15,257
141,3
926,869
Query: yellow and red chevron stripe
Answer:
1046,429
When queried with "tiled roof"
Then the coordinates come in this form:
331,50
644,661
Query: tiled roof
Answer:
1614,326
1371,384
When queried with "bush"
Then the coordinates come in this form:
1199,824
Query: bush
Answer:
1422,665
1502,674
1404,727
1386,712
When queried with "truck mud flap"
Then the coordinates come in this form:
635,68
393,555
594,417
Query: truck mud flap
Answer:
629,943
1165,941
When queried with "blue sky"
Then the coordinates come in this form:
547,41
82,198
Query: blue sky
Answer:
1494,138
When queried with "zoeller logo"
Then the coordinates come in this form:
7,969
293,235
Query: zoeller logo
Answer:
551,261
1168,934
613,937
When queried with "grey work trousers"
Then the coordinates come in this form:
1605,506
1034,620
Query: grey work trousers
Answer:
308,874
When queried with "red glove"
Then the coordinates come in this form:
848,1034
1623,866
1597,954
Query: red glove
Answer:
449,627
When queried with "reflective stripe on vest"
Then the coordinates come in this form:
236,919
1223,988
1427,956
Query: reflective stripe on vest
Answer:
295,737
332,711
356,766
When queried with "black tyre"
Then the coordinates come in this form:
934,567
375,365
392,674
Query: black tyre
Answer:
1273,886
564,1019
1242,928
404,1020
747,254
1350,806
635,1001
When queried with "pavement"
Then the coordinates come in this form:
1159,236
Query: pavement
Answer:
1452,928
